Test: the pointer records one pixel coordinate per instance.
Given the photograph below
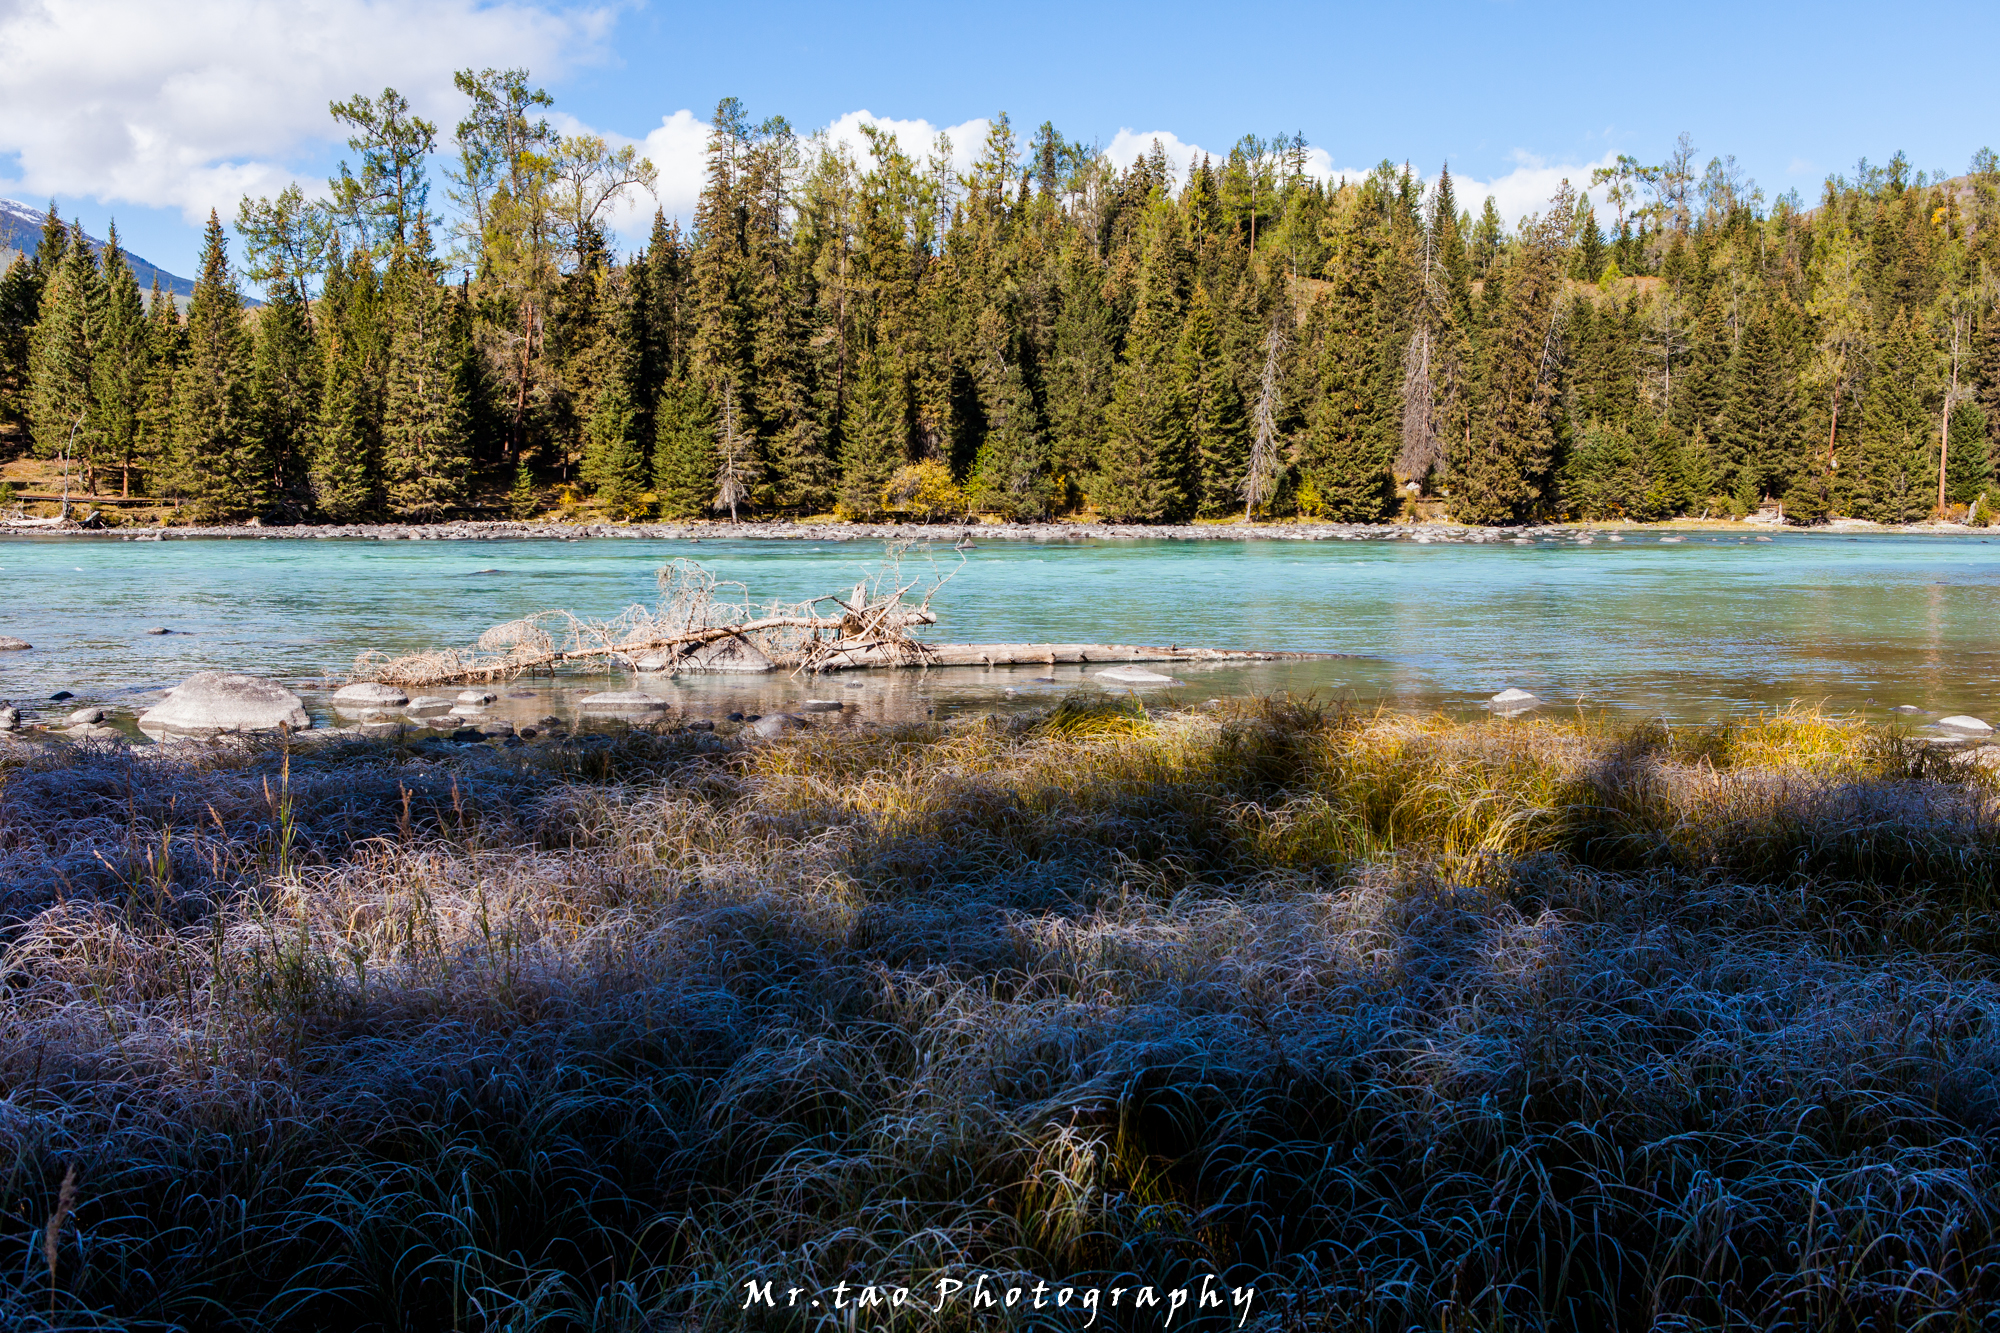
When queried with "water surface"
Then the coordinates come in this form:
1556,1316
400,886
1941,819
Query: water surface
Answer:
1710,625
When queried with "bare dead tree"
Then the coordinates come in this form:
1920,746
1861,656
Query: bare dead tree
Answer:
733,473
1260,481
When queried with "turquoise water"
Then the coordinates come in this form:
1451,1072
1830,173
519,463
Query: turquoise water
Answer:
1714,624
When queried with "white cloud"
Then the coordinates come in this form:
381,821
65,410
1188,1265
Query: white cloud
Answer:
191,105
1530,185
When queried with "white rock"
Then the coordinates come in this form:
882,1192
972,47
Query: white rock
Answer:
211,702
467,710
1135,675
623,701
475,697
776,724
649,663
12,645
89,716
1960,722
368,694
429,703
1511,700
10,718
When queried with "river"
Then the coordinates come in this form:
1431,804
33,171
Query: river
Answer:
1709,625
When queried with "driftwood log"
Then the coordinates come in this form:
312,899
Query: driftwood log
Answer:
841,657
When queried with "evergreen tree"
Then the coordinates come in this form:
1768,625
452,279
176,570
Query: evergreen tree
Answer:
1501,475
1968,470
425,450
346,461
614,462
684,452
1898,455
165,349
877,438
118,367
1215,411
286,397
218,455
1343,456
59,355
1759,417
1010,472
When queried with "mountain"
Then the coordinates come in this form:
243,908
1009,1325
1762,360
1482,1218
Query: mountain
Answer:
21,229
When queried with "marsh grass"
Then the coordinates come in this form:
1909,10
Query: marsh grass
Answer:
1409,1023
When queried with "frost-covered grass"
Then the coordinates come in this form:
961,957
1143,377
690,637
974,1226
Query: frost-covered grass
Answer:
1408,1023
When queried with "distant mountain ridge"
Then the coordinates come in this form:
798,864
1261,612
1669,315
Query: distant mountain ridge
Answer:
21,229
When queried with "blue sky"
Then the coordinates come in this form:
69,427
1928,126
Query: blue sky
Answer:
154,113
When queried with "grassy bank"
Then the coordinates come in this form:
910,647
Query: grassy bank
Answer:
1407,1023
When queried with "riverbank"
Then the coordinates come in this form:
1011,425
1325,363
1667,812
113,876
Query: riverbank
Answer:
946,534
1395,1021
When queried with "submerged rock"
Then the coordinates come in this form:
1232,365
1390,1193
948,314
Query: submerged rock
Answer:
1511,700
623,701
368,694
777,724
210,702
476,697
821,706
1959,722
1135,675
87,716
429,703
12,645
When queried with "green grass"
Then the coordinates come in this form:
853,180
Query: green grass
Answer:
1409,1023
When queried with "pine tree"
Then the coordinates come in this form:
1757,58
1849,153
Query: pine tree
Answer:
521,496
1148,460
218,454
1215,411
59,355
425,450
165,349
684,453
1343,455
614,462
345,467
877,437
1759,416
1501,475
1898,455
286,396
1968,470
120,361
1010,472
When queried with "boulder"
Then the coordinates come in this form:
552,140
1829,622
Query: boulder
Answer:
88,716
476,697
498,726
368,694
10,645
650,662
467,710
210,702
623,701
1971,726
1511,700
821,706
1135,675
159,629
728,654
429,703
777,724
10,718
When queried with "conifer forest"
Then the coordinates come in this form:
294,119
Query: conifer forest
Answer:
1044,334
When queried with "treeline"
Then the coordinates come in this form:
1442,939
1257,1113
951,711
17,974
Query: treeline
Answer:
1043,334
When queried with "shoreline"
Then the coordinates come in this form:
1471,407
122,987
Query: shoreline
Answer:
695,531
